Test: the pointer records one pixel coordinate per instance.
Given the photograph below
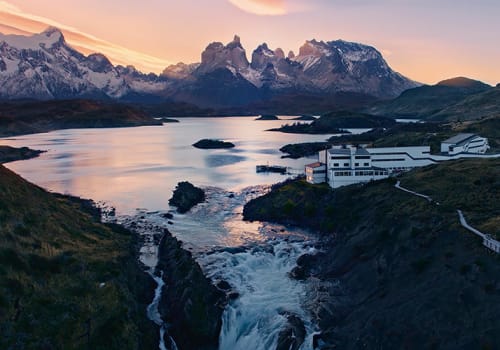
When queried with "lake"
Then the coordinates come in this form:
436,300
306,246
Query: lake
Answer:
138,167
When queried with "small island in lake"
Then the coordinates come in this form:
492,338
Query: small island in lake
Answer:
186,196
168,120
212,144
267,117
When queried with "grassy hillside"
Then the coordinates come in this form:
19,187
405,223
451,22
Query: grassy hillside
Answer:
66,281
29,117
396,271
456,99
472,185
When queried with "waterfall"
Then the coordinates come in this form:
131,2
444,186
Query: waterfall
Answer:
266,294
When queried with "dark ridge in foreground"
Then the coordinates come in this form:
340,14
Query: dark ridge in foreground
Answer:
11,154
190,303
67,281
397,271
29,117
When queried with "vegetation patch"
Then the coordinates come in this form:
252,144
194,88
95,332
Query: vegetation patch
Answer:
66,280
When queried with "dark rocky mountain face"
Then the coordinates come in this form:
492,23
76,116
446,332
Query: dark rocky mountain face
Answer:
44,66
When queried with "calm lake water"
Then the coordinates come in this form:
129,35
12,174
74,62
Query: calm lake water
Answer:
133,168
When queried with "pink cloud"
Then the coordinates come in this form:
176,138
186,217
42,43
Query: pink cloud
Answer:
262,7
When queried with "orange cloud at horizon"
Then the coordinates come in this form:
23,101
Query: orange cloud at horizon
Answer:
261,7
15,21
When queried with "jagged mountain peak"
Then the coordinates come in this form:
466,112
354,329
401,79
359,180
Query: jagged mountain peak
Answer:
53,31
50,37
279,53
217,56
313,48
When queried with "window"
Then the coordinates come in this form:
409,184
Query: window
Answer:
356,164
366,164
346,164
336,164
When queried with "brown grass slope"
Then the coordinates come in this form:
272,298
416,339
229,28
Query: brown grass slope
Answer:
66,281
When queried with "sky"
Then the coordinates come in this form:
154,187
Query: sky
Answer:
425,40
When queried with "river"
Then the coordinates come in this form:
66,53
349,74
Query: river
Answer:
135,171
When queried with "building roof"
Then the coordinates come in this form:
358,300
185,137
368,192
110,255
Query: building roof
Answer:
459,138
314,165
362,152
347,151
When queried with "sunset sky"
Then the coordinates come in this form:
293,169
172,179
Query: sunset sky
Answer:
426,40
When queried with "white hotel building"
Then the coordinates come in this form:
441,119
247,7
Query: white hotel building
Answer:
349,165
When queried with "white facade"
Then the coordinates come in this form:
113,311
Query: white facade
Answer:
465,143
491,243
316,173
398,159
347,165
350,165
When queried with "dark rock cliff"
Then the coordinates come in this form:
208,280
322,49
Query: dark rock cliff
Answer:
190,303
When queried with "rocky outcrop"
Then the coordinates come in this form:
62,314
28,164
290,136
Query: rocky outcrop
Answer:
293,335
190,303
186,196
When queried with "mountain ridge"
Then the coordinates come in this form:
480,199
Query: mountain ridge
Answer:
43,66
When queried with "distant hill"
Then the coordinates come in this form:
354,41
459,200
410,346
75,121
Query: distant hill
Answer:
335,122
476,106
27,117
447,100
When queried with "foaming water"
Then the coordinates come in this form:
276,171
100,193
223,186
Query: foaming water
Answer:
254,258
266,294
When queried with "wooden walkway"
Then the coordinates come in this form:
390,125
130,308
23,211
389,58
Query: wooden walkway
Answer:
488,241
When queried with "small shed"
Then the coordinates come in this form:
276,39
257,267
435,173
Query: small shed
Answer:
315,173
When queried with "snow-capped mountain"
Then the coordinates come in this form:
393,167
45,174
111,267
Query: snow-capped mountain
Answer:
323,68
44,66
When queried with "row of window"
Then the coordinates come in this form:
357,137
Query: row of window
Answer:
336,165
389,160
361,173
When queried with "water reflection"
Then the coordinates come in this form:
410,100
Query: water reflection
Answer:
139,167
